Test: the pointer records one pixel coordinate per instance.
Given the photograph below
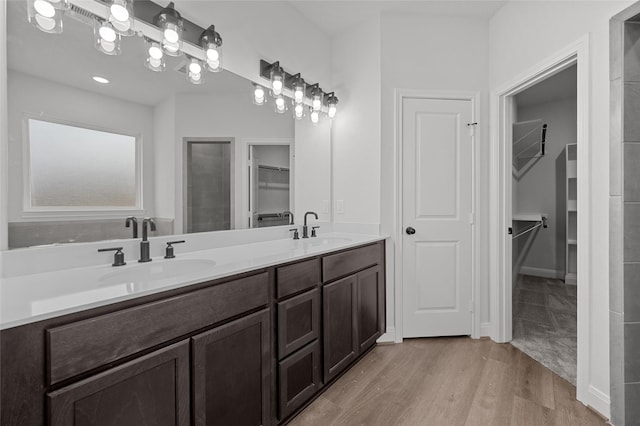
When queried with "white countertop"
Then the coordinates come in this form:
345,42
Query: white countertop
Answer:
29,298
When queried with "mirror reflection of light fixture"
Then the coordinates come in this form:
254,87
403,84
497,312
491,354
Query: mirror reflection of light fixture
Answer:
299,88
315,116
316,97
298,111
259,97
171,24
155,56
280,104
107,40
46,15
211,43
332,104
121,16
277,80
194,71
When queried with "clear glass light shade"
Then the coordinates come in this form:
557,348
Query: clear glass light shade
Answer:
107,40
155,57
315,116
316,100
277,81
121,16
298,111
171,24
213,57
195,71
332,104
46,15
259,95
332,111
280,104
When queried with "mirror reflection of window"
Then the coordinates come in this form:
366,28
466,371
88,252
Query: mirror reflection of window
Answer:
77,168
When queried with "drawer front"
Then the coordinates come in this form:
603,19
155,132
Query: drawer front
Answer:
298,322
85,345
299,378
295,278
345,263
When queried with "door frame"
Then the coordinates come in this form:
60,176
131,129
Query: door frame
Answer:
400,96
500,205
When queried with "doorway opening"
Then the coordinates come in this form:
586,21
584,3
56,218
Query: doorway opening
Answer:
544,221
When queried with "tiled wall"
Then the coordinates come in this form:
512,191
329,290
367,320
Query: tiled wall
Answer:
624,209
28,234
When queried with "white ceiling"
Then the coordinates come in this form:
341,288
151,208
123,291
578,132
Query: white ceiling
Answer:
563,85
335,17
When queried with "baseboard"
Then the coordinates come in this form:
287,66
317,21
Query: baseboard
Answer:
539,272
485,329
598,401
388,337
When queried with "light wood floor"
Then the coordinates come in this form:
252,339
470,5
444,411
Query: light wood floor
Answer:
448,381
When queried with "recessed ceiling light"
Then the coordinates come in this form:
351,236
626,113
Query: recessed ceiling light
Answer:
100,80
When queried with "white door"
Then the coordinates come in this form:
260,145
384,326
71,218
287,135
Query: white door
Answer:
437,204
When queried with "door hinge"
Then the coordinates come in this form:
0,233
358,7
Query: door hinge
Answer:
470,305
472,218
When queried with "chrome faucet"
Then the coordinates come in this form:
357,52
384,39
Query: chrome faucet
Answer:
287,212
305,228
128,223
147,223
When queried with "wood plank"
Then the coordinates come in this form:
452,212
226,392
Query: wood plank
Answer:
535,382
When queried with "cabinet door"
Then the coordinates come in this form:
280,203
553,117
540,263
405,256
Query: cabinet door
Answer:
232,373
339,320
368,283
299,378
298,322
150,390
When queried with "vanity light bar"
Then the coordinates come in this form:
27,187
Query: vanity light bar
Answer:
289,81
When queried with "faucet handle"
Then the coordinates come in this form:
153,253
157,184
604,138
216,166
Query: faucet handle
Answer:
313,230
169,250
118,257
296,235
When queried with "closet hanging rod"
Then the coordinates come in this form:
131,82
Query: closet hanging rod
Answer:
538,224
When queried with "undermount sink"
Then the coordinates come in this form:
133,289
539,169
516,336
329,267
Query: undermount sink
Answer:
157,270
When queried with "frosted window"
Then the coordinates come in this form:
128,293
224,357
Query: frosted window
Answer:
78,167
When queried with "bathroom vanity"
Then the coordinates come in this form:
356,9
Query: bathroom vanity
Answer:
247,348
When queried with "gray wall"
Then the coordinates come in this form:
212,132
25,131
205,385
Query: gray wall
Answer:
542,188
624,217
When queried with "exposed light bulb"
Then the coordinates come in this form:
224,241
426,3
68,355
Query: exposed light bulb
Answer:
119,11
107,34
155,52
276,87
298,111
213,55
171,35
332,111
258,95
44,8
315,117
316,104
194,71
195,68
298,95
280,105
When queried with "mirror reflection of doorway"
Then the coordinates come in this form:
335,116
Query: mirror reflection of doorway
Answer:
270,189
208,185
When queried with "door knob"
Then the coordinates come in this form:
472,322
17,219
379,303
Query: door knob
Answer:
410,231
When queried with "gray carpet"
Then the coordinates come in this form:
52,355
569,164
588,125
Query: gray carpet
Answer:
544,323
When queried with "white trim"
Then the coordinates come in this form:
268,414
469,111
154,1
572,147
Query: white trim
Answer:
474,97
485,329
599,401
388,337
540,272
500,203
4,132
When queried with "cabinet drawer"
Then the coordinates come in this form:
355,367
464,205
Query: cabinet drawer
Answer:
294,278
82,346
345,263
298,322
299,378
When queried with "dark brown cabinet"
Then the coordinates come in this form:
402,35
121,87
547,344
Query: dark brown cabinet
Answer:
231,373
353,309
299,378
298,322
150,390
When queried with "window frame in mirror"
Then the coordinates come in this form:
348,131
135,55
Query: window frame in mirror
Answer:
88,212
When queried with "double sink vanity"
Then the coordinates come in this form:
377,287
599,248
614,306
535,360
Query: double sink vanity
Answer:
245,334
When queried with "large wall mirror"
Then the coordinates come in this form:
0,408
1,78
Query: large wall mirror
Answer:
85,155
